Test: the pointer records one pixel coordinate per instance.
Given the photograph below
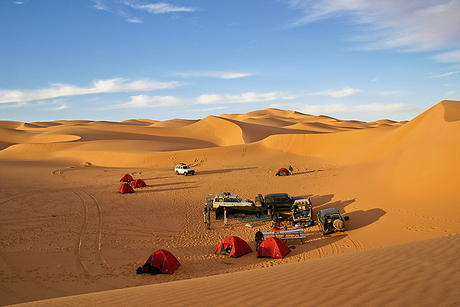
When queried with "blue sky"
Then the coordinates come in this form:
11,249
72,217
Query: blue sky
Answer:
127,59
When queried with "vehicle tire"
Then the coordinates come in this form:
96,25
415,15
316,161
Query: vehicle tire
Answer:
185,174
177,173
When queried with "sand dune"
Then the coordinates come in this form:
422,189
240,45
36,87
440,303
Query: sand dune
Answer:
64,231
430,270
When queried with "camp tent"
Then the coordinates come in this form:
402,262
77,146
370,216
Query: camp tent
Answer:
127,178
139,183
273,247
282,172
125,188
160,261
233,246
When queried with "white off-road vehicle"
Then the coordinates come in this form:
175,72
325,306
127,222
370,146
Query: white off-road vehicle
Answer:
230,200
183,169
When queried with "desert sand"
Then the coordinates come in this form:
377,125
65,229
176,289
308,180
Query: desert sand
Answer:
68,238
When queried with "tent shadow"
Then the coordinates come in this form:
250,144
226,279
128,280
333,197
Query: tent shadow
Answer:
307,172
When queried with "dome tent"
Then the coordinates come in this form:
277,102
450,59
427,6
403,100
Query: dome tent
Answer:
139,183
160,261
273,247
127,178
125,188
233,246
282,172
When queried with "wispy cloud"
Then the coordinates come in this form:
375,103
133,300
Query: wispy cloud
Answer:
246,97
422,25
147,101
216,74
448,57
365,108
447,74
127,9
61,107
98,86
337,93
158,8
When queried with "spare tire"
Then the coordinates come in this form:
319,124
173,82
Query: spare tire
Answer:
338,224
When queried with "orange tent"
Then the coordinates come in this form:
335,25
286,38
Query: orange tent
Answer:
125,188
273,247
127,178
160,261
139,183
233,246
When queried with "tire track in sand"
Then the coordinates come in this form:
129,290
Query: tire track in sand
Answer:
91,225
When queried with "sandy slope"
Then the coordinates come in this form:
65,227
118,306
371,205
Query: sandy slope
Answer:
65,231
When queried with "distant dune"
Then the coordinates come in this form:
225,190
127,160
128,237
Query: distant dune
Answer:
68,238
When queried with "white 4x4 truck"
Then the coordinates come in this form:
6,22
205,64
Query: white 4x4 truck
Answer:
183,169
230,200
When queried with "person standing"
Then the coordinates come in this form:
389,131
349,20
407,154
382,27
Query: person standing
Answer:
259,237
208,219
205,210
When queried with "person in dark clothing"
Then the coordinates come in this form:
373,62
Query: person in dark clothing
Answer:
259,237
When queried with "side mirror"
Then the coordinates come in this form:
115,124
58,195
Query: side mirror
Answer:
346,218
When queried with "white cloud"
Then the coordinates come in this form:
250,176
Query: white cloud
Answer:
146,101
246,97
447,74
62,107
448,57
422,25
99,5
98,86
366,108
158,8
216,74
451,93
337,93
126,9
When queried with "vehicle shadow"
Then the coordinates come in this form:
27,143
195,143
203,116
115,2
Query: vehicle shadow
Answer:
320,200
360,218
357,219
223,171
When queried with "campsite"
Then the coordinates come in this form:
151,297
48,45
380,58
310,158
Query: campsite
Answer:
66,230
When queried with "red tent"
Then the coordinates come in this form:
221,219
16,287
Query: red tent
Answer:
282,172
139,183
125,188
160,261
233,246
127,178
273,247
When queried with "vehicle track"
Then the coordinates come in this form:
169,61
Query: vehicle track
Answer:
91,226
356,243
